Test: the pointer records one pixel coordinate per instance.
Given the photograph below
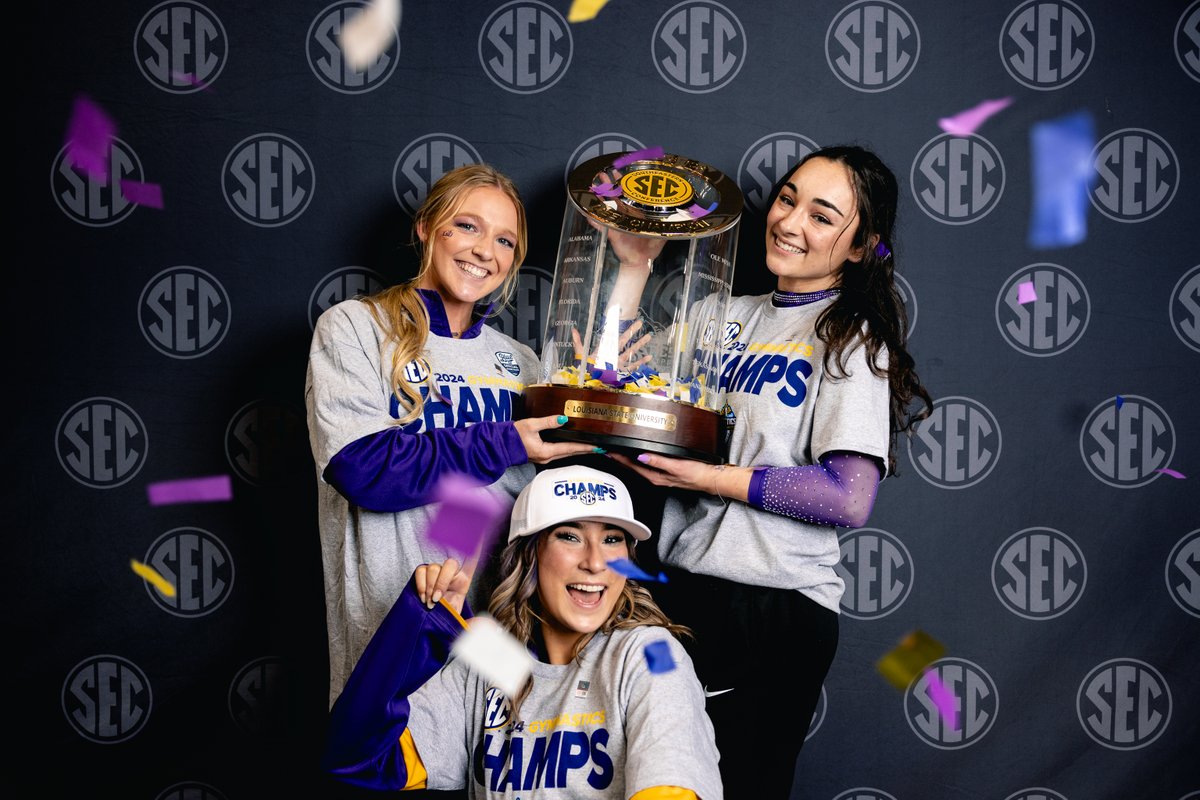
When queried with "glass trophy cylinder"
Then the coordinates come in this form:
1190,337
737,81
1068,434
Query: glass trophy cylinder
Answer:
636,318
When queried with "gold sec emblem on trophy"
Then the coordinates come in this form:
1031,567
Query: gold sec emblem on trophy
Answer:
635,325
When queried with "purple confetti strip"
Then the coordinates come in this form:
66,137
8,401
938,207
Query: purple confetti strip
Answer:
943,699
1120,401
89,136
467,514
658,657
637,155
1026,293
1062,178
609,377
696,211
606,190
214,489
623,566
143,194
1174,473
967,122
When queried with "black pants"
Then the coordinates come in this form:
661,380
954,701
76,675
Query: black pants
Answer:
773,648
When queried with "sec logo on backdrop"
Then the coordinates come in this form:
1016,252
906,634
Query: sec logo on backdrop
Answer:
328,62
1047,44
525,47
423,161
88,200
268,180
767,161
101,442
180,47
1124,704
698,46
107,699
872,45
957,180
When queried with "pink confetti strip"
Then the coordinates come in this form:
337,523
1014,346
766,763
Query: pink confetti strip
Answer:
943,699
1174,473
183,78
143,194
637,155
213,489
1026,293
467,515
89,136
967,122
606,190
697,211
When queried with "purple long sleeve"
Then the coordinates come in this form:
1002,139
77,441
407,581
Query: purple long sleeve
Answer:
840,490
394,471
410,646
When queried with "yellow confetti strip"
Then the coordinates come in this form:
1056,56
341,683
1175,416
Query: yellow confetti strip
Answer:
149,574
904,662
583,10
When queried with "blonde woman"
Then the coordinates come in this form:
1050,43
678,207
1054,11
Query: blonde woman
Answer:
595,719
408,385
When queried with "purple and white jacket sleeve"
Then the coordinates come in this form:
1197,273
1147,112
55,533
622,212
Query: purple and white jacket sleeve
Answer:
392,470
840,490
363,742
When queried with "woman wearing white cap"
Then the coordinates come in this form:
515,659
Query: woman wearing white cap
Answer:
601,716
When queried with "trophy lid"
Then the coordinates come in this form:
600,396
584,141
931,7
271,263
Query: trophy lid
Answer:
655,194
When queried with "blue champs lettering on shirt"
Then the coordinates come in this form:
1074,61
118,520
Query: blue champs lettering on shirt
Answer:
761,367
468,404
541,754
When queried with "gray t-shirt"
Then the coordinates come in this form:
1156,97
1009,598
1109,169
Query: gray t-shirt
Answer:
603,726
789,412
369,556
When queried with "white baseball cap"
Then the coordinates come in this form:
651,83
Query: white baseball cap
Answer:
568,494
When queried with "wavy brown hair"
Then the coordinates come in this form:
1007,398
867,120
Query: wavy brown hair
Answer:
399,310
869,308
515,604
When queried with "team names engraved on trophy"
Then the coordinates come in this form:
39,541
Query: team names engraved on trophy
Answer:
628,415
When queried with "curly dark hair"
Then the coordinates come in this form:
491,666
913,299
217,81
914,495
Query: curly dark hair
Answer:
869,305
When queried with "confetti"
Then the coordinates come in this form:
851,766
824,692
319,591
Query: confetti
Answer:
1026,293
492,652
369,32
637,155
658,657
1172,472
1120,401
1062,177
212,489
606,190
180,78
153,577
967,122
696,211
584,10
942,698
623,566
904,662
89,136
143,194
467,515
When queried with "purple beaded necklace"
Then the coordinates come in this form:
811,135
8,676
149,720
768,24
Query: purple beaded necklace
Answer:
790,299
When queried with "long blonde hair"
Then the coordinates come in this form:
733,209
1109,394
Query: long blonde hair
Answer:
399,309
515,604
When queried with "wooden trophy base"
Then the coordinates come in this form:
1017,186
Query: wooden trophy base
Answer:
629,422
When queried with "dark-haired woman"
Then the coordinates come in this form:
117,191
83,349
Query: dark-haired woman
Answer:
820,379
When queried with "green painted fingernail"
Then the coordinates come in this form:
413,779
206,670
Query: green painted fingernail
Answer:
562,419
599,451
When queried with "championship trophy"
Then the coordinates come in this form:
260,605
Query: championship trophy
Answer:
636,321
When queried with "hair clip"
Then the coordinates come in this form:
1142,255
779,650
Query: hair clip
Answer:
883,251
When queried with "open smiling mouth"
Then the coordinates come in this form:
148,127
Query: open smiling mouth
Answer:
787,248
472,270
586,594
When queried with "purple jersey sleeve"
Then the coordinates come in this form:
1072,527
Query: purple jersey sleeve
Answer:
393,471
838,491
412,643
